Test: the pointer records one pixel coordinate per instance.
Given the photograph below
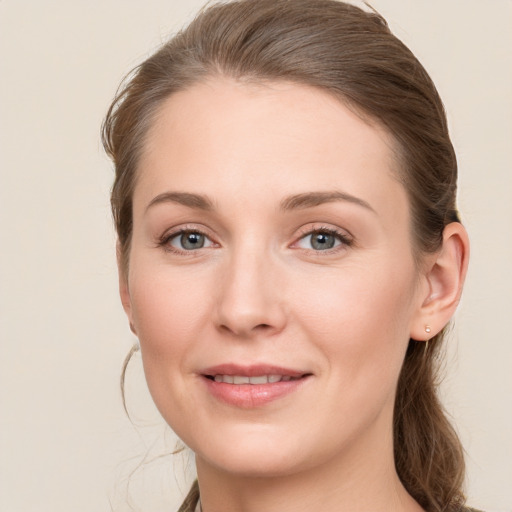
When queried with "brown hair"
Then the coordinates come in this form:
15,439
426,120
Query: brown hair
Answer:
351,54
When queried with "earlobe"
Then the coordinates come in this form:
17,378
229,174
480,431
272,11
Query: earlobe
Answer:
444,279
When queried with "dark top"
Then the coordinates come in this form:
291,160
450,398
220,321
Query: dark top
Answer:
190,503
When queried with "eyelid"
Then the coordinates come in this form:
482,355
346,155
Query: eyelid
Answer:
346,238
164,240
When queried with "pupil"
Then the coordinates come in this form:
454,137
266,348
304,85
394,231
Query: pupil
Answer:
322,241
192,240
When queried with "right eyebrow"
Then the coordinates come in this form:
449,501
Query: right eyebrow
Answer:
196,201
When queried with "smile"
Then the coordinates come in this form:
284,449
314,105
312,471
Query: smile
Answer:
258,379
255,386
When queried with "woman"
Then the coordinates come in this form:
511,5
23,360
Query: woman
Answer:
290,254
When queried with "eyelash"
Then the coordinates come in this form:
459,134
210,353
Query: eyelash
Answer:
165,240
344,239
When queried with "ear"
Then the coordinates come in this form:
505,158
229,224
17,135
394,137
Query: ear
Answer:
442,283
124,291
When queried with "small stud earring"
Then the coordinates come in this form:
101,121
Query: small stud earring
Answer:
427,329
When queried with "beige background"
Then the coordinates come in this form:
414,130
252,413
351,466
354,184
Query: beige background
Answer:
65,443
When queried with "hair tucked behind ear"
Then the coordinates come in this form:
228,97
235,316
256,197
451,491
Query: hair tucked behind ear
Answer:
352,55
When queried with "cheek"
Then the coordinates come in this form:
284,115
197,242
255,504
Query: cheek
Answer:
358,297
170,315
360,326
170,309
360,319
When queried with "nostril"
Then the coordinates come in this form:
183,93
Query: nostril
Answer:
243,331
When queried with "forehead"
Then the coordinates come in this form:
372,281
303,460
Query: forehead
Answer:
224,137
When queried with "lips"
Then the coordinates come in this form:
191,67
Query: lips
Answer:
257,379
252,386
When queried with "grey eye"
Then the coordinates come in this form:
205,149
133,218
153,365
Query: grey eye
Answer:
322,241
190,240
319,241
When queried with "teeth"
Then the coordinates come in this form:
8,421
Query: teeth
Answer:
240,379
258,379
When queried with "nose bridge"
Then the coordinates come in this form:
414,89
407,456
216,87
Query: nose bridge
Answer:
248,301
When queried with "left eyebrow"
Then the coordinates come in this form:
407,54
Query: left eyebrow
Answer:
311,199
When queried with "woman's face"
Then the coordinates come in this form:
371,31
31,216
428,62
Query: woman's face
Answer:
271,279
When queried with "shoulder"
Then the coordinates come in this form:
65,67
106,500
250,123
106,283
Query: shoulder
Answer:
190,503
192,499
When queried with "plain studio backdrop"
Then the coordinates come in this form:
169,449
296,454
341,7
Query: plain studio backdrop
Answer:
65,441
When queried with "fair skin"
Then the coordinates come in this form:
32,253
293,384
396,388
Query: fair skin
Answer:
271,238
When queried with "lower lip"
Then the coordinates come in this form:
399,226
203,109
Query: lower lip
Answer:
250,396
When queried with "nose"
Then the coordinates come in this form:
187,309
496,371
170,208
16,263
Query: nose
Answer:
251,301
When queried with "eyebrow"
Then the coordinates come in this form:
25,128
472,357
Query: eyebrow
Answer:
196,201
311,199
295,202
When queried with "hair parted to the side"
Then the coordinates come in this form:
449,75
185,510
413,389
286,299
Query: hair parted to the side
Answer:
349,53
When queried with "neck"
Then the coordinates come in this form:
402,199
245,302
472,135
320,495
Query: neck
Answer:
357,481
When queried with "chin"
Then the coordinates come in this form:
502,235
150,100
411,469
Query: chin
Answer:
257,464
262,455
251,453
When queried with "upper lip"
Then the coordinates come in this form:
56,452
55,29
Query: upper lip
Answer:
253,370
